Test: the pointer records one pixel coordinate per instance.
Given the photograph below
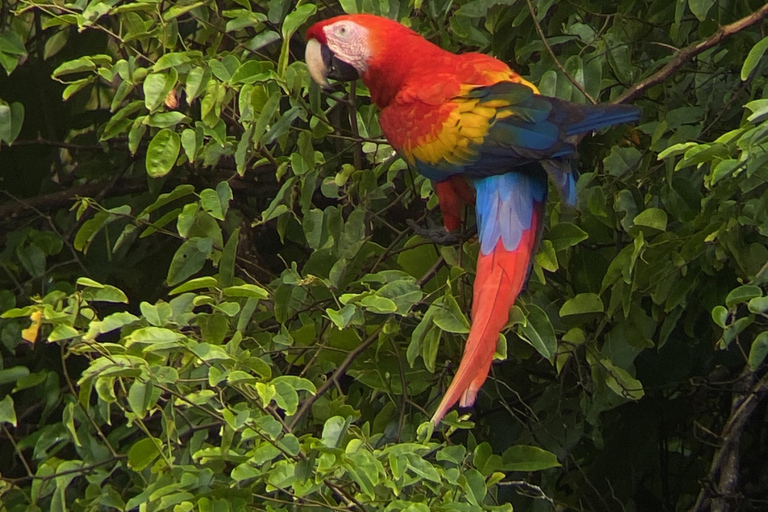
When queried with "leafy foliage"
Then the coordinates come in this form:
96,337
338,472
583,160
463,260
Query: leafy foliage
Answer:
212,298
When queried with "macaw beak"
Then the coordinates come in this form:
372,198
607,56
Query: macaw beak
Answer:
323,64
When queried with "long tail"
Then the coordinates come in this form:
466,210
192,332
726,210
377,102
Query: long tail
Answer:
510,212
595,117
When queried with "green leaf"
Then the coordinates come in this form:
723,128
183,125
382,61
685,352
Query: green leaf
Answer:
105,294
178,10
453,454
743,293
88,282
165,119
13,374
720,316
450,318
143,452
63,332
197,81
582,303
11,120
622,160
676,150
546,257
138,395
7,411
334,430
758,351
189,259
156,88
476,488
156,314
162,153
620,381
246,290
700,8
376,304
654,218
228,259
251,71
296,18
297,383
153,336
566,235
246,471
758,305
753,58
286,397
422,468
195,284
538,331
429,347
175,59
266,115
282,125
528,458
87,63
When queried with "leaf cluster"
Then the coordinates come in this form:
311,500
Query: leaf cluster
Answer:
212,298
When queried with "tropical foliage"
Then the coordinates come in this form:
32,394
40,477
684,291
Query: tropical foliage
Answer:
213,299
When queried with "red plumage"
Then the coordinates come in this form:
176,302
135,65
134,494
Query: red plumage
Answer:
462,118
499,280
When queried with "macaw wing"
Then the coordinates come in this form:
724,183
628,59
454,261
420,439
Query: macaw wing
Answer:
491,129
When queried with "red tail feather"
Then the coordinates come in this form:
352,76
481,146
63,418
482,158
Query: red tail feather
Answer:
500,277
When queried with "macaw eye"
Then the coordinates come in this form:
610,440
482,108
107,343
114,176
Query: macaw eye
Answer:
342,30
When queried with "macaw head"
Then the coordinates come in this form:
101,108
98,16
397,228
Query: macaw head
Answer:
376,49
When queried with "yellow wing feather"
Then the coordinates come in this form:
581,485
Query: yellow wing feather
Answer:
465,126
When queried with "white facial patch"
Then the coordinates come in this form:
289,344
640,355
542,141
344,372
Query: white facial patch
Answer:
349,42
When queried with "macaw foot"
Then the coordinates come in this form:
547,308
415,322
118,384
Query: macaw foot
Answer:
437,235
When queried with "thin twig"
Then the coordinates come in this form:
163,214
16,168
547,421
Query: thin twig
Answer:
691,51
341,370
18,453
543,38
52,476
63,198
725,459
64,145
80,405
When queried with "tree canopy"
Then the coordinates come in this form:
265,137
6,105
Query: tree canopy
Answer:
213,297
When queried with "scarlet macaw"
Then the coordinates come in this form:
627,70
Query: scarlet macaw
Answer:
460,118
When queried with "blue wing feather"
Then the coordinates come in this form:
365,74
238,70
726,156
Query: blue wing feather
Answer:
527,129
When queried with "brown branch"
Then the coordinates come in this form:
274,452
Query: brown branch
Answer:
723,473
64,198
691,51
333,379
307,405
63,145
543,38
45,478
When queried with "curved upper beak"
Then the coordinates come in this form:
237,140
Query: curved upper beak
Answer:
323,64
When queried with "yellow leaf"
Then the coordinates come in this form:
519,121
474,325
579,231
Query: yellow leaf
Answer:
30,333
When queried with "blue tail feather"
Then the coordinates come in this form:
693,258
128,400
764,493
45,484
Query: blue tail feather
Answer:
601,116
505,204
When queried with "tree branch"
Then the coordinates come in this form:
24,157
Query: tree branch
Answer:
691,51
307,405
63,145
63,198
723,474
